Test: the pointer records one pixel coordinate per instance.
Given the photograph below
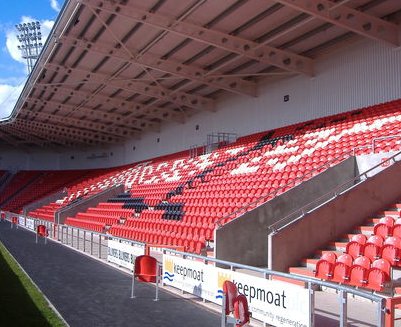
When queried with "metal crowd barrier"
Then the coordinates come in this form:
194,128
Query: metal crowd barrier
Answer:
96,244
312,284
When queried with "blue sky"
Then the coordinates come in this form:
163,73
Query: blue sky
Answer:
13,71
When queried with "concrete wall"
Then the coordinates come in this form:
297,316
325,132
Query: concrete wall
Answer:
244,240
83,205
44,201
340,216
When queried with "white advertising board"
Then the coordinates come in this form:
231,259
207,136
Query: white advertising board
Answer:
30,223
192,277
123,253
21,220
274,302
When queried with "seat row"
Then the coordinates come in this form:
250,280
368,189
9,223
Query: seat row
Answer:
358,272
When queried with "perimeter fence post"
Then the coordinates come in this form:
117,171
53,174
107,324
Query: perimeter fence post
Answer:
78,232
91,243
100,246
84,240
343,308
311,304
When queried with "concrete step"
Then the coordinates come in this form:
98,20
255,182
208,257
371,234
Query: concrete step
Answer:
392,213
319,253
302,271
337,246
366,230
372,221
309,263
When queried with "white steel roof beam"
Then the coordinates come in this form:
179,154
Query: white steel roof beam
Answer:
41,132
75,134
262,53
159,92
27,136
106,116
81,123
232,84
10,139
348,18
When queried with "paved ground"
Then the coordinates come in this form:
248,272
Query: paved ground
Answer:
89,293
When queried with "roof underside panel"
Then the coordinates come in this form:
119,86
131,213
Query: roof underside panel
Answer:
113,70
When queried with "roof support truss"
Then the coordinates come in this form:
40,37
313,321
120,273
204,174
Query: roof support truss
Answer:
155,91
128,120
9,139
348,18
69,133
262,53
80,123
231,84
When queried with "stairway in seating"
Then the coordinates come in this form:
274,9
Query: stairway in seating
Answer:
308,265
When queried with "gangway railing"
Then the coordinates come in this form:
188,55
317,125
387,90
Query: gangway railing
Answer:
373,145
330,195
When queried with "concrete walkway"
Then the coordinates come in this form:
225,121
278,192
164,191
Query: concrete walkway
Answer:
89,293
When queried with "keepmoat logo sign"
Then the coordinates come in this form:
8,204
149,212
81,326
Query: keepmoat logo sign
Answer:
274,302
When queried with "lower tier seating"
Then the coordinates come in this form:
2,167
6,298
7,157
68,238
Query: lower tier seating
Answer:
364,258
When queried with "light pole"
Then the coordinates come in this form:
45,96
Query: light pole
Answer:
30,38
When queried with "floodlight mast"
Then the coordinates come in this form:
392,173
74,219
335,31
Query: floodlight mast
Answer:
30,38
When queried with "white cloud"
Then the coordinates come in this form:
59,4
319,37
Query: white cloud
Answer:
55,5
8,97
11,87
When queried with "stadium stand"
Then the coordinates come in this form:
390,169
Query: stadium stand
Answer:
177,200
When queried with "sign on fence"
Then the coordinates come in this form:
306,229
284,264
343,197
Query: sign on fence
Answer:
274,302
30,223
123,253
21,221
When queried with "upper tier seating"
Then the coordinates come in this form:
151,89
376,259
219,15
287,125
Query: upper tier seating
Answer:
177,199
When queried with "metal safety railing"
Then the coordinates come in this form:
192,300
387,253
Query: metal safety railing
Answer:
330,195
342,290
96,244
86,241
373,145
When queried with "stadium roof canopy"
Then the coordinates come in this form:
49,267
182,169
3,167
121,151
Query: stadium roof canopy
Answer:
113,70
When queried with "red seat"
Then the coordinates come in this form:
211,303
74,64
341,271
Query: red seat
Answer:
397,229
146,268
391,250
230,291
324,269
42,231
329,256
342,268
241,310
378,275
354,249
373,247
359,271
384,227
360,238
